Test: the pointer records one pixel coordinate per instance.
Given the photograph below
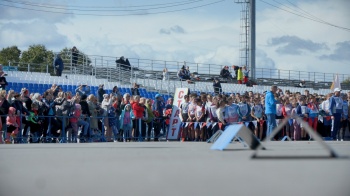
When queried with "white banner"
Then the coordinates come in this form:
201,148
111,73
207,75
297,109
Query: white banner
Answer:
175,121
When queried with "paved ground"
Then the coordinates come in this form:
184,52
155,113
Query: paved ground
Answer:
172,168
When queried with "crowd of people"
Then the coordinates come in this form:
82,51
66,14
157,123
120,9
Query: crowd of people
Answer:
203,115
58,116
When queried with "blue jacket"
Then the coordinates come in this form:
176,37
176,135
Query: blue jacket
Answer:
59,63
335,105
270,103
121,118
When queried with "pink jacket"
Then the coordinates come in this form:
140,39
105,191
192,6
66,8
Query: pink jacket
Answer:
76,114
11,118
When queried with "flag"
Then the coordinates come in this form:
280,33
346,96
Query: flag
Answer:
336,83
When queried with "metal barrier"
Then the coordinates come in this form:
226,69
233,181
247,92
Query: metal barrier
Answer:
106,67
66,134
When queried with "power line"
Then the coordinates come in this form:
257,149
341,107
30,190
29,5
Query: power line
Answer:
307,17
131,14
105,9
83,6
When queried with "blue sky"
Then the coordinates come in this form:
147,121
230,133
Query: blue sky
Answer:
208,34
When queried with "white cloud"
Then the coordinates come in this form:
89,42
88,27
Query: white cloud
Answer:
207,35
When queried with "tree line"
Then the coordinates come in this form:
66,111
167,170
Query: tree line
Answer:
38,56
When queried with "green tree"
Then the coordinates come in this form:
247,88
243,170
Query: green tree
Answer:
38,57
10,54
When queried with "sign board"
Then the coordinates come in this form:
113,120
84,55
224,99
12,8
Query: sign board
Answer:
175,121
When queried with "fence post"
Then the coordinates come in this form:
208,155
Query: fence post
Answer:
47,68
28,67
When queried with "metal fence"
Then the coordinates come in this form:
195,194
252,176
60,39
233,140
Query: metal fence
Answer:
106,67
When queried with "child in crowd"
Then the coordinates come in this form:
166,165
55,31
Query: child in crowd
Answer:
257,114
76,121
200,119
112,120
287,112
303,112
184,117
12,125
34,122
126,118
296,124
192,117
313,112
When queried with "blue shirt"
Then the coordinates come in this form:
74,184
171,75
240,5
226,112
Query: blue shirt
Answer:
270,103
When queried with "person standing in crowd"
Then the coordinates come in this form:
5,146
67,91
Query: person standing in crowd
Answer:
158,108
326,117
345,116
150,118
83,89
86,117
240,75
135,90
165,74
126,119
138,110
100,92
4,109
335,110
303,113
75,54
59,65
270,110
3,82
245,74
217,86
184,117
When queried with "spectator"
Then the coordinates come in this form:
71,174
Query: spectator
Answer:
135,89
126,118
246,74
225,73
182,74
150,118
240,75
4,109
235,68
86,117
124,64
12,125
336,109
59,65
217,86
100,92
165,74
3,82
94,111
83,89
75,54
270,110
301,84
116,93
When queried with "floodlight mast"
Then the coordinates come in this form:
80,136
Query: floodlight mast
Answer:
247,36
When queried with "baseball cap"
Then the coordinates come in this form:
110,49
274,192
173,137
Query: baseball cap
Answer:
337,90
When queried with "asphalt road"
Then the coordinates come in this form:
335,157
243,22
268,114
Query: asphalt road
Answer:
173,168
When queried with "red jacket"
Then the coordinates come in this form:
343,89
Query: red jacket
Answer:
138,110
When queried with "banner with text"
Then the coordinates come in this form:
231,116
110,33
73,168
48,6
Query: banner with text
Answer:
175,121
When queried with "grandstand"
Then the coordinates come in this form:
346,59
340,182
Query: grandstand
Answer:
95,70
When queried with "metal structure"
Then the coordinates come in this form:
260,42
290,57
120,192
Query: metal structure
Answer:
247,35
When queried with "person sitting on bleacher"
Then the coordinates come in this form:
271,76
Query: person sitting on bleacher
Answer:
182,74
225,73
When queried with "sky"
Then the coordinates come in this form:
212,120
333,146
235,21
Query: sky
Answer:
199,31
